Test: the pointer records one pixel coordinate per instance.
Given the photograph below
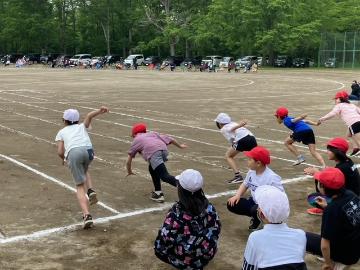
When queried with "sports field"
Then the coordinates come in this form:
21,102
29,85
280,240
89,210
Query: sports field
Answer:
39,214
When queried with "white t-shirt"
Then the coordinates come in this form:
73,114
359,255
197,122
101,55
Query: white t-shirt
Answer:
268,177
275,245
74,136
234,136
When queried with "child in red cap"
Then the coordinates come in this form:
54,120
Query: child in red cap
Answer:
350,114
339,242
336,151
302,132
153,147
259,174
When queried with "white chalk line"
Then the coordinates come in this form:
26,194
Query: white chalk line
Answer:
52,179
77,226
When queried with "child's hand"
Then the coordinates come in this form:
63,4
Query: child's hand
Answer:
233,200
321,202
103,109
183,146
318,123
310,171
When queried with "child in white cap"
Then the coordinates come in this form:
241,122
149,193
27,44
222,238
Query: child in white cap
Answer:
240,139
276,246
75,148
190,233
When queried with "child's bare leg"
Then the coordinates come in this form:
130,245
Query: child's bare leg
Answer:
316,155
229,156
89,189
88,181
289,145
82,199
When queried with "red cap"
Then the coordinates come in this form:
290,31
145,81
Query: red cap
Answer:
281,112
342,94
339,143
331,178
259,153
138,128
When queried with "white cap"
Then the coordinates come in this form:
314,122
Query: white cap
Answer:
191,180
223,118
273,203
71,115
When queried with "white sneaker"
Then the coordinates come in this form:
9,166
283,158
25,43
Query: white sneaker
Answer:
299,161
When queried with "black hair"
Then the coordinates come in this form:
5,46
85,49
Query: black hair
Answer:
344,100
69,123
339,155
193,202
331,192
218,125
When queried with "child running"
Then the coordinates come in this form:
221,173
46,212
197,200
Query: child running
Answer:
153,147
240,139
75,148
350,114
302,132
259,174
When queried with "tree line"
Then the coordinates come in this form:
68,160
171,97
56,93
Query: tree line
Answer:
173,27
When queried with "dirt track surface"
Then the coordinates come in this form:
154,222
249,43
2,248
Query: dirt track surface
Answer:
181,104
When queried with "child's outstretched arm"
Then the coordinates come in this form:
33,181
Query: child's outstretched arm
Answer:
128,166
310,122
297,119
181,146
61,150
241,124
91,115
239,193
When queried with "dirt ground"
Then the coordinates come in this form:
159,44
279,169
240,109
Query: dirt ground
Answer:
39,214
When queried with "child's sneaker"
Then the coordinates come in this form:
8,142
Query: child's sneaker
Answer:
254,224
355,151
88,222
315,211
300,160
236,180
157,197
92,196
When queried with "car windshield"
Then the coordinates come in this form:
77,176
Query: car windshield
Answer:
131,57
226,59
77,56
208,58
246,58
281,57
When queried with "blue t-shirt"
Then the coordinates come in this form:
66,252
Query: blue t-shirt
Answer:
299,126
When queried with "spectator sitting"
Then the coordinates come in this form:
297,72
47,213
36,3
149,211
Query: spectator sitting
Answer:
190,233
355,91
285,247
339,242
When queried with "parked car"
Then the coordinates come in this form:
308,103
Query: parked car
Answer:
260,61
62,61
48,58
212,59
152,60
130,59
80,59
113,58
246,60
283,61
225,62
330,63
33,58
299,62
192,61
176,60
97,59
11,57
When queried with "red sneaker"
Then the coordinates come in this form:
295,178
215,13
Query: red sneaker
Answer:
315,211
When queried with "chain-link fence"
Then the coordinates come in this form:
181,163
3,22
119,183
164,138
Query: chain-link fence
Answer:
339,50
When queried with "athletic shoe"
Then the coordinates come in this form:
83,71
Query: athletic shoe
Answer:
254,224
157,198
236,180
315,211
355,151
92,196
88,222
299,161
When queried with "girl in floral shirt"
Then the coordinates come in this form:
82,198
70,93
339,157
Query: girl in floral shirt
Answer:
190,233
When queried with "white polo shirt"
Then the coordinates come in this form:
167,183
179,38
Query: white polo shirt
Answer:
275,245
268,177
74,136
234,136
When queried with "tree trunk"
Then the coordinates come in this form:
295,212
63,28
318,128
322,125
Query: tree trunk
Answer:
172,48
130,41
187,48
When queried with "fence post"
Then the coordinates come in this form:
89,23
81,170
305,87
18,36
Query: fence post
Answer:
354,48
344,50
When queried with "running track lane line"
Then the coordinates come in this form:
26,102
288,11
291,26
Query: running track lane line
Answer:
76,226
52,179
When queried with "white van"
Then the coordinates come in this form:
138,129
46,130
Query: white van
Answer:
130,59
212,59
84,59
